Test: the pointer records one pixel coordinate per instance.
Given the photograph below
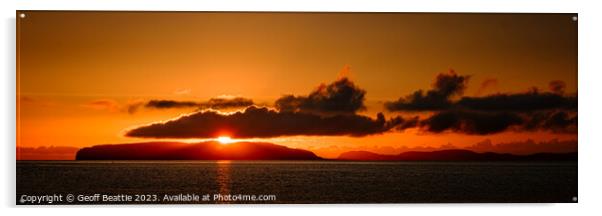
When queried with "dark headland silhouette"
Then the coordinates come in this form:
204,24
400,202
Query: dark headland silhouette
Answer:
456,155
210,150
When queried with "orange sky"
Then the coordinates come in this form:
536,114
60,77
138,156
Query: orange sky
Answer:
78,71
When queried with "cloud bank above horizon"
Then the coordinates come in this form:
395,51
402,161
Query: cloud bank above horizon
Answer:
332,110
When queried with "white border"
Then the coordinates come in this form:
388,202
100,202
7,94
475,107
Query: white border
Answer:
590,92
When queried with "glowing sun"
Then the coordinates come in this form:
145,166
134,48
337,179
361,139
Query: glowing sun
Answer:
225,140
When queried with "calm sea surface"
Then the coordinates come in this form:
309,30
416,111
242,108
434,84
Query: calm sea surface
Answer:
298,181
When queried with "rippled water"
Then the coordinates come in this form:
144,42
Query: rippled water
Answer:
308,181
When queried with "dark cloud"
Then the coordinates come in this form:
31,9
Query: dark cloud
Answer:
561,122
450,84
341,96
404,123
521,102
133,106
556,121
446,85
329,110
482,123
260,122
213,103
167,104
470,122
530,111
490,114
225,103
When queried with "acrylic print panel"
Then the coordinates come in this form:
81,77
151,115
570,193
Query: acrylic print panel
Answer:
266,107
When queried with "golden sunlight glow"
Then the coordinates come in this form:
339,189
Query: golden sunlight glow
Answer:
225,140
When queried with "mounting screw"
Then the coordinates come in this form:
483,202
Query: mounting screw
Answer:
22,15
574,18
574,199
